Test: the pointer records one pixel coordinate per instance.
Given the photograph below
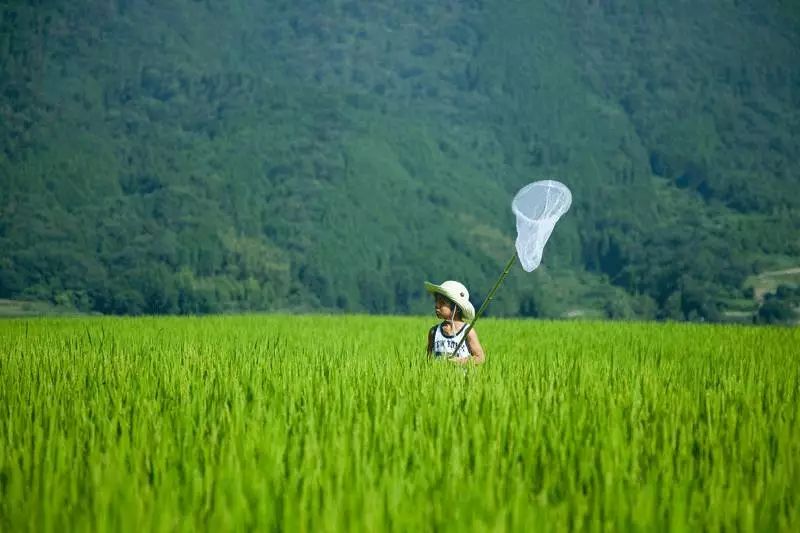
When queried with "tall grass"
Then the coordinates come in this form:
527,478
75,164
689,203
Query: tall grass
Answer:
340,423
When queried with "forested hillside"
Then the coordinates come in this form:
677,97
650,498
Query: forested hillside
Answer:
202,156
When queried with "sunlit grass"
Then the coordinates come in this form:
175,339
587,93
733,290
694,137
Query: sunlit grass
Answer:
340,423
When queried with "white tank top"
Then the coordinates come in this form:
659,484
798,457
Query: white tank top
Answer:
445,345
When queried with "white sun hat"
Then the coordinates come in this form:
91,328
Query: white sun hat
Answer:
457,292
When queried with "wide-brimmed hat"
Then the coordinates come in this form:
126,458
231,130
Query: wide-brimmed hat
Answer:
457,292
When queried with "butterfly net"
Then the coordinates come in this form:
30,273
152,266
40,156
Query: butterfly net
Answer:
538,207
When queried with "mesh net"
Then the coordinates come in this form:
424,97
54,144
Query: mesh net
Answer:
538,207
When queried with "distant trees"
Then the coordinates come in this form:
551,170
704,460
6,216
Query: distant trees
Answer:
780,307
223,159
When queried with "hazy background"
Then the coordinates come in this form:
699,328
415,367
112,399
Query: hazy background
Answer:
214,156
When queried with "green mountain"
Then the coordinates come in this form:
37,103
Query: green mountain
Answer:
203,156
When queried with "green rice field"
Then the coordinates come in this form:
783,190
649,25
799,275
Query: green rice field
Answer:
342,424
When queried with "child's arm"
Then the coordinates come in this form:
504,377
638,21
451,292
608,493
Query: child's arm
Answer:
475,350
430,341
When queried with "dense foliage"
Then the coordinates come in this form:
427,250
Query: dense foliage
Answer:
191,157
340,424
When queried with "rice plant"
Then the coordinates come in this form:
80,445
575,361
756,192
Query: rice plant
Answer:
341,423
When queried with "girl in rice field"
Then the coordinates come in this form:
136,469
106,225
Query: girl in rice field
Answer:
451,303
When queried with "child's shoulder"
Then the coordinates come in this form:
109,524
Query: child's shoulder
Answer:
440,326
449,330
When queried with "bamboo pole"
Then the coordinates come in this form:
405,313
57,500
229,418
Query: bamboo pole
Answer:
486,301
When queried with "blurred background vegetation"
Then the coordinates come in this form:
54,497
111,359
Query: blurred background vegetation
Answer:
200,156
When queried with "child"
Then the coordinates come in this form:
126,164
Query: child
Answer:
451,302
